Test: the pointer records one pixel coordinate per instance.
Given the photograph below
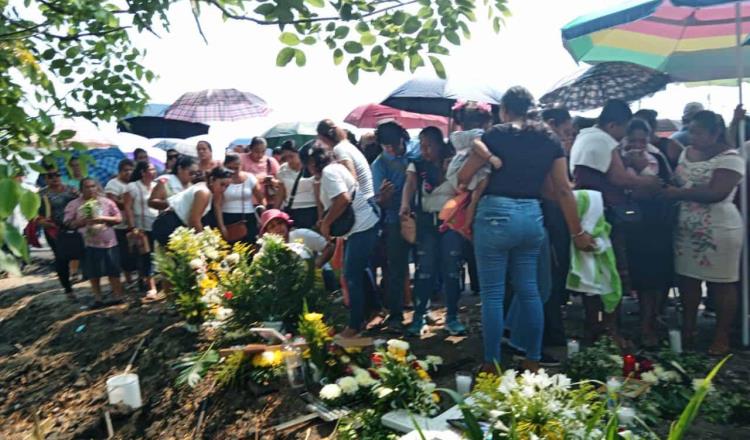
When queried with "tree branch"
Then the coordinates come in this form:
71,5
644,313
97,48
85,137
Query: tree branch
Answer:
307,20
85,34
22,31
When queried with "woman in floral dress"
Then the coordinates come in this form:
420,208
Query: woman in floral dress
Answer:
710,229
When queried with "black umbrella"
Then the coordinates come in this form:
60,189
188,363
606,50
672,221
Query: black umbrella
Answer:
152,124
437,96
605,81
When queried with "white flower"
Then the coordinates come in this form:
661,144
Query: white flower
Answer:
345,359
223,313
562,381
423,365
500,426
671,376
528,391
618,359
697,383
650,377
232,258
383,392
330,392
212,254
196,263
398,344
434,360
348,385
363,378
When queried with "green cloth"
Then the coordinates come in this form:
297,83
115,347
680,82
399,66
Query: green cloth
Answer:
602,278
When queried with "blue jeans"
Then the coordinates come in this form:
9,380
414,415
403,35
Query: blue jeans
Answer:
359,247
397,260
437,254
508,235
513,321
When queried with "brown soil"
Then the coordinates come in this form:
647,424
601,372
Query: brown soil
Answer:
55,359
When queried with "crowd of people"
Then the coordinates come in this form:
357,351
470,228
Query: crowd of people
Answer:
502,196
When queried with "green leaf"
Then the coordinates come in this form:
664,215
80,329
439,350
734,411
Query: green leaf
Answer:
496,24
316,3
353,47
64,135
398,18
299,58
30,203
452,37
285,56
412,25
425,12
362,27
289,39
367,39
266,9
9,189
338,56
9,264
352,71
16,242
437,65
194,367
309,40
341,32
415,61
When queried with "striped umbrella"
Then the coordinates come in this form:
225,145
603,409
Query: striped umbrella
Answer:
217,105
690,40
626,81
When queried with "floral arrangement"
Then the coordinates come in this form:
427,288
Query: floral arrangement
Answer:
349,389
256,284
91,209
404,380
327,360
597,362
537,405
193,262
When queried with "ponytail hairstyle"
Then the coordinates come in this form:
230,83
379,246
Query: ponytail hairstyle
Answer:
183,161
556,116
326,129
391,133
139,170
518,101
471,114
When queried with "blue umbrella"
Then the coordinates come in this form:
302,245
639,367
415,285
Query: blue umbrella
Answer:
152,124
99,163
437,96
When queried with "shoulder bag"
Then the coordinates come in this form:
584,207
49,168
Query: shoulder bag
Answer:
345,222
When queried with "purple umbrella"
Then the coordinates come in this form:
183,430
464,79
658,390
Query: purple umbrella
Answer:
217,105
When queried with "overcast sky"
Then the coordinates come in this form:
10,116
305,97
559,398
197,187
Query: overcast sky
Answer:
527,51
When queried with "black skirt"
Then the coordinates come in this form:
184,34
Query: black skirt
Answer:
250,221
164,225
304,217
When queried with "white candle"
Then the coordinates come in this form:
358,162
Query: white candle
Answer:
625,415
463,383
573,347
675,341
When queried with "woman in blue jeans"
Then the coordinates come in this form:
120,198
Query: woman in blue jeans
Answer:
339,189
437,252
508,228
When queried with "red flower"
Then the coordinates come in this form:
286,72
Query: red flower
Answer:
228,295
646,365
376,359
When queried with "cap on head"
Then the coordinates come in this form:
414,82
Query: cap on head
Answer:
272,214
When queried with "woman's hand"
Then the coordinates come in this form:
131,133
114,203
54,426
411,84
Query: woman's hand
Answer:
325,230
404,211
584,242
496,162
224,232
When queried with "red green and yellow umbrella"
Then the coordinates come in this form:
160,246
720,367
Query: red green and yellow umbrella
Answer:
690,40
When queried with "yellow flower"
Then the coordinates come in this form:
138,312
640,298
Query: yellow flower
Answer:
313,317
267,359
207,283
423,374
436,397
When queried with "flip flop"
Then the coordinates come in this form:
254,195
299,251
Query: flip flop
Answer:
153,297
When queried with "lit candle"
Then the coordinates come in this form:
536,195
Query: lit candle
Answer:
463,383
675,341
628,365
573,347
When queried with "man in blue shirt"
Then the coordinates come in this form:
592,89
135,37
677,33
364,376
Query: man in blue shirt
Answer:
389,177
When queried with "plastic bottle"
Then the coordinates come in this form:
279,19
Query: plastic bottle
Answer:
294,366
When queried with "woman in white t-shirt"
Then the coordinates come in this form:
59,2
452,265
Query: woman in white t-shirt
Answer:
237,200
337,190
296,193
188,207
140,219
347,154
183,174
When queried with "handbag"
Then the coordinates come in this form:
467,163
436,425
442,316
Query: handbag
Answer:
70,245
345,222
238,230
626,213
138,241
288,207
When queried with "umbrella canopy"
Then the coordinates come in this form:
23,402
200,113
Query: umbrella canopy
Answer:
691,40
217,105
176,144
152,124
370,115
299,132
87,133
98,163
437,96
605,81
